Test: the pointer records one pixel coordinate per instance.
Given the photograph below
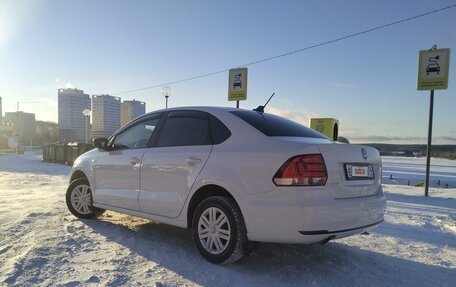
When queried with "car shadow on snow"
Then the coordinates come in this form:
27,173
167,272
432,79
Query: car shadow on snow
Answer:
272,265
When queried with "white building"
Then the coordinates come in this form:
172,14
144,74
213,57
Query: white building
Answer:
71,120
130,110
105,115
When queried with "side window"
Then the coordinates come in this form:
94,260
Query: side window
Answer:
219,131
185,129
136,136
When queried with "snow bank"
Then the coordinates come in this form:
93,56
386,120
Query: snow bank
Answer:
42,244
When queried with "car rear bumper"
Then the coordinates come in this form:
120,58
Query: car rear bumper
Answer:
331,232
309,216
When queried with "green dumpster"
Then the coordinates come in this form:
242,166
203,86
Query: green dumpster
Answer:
46,153
60,153
71,152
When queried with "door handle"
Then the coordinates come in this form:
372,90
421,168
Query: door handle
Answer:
134,161
193,160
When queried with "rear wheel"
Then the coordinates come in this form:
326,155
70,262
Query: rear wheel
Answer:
79,199
218,230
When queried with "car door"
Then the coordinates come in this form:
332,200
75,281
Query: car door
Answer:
117,170
172,165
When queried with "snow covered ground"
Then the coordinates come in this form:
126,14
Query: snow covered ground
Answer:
411,171
42,244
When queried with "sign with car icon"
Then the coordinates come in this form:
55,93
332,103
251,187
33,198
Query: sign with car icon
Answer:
237,84
433,69
434,66
237,81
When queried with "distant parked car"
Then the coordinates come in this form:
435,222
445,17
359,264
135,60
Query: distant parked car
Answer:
235,177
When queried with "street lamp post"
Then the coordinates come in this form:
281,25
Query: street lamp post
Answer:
166,92
87,114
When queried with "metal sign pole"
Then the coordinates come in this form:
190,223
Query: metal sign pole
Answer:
428,157
433,66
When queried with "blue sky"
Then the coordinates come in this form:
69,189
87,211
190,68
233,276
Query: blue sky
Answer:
367,82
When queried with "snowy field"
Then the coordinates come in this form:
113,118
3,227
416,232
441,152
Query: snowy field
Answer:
42,244
411,171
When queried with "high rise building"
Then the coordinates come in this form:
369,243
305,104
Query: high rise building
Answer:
130,110
71,120
23,124
105,115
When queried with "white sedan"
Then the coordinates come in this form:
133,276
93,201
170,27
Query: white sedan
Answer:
235,177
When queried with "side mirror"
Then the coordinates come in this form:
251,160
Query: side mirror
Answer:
101,143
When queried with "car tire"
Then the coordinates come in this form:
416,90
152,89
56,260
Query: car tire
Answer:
79,199
218,230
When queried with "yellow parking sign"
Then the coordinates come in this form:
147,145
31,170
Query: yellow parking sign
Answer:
433,69
237,84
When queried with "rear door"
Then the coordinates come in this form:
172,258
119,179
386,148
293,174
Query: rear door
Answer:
172,165
117,171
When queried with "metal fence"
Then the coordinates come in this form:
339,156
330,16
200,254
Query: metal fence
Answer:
433,182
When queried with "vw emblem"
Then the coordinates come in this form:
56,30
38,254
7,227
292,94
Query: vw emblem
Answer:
364,153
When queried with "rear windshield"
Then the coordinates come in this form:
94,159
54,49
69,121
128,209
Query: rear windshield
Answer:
275,126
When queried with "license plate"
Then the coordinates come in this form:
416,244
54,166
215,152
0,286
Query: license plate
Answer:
355,172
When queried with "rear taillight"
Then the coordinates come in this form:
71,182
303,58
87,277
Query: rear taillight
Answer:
302,170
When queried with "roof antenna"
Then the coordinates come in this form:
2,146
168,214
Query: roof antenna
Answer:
260,109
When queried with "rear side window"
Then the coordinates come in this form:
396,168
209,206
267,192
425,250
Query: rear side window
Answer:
219,131
275,126
185,129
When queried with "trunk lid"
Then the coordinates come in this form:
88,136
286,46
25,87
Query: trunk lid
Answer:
353,170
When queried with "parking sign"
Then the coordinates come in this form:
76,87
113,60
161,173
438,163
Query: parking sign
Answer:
237,84
433,69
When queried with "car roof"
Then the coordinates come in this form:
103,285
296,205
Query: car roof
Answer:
198,108
235,124
214,110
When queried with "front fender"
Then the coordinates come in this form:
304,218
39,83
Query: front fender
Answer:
85,164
